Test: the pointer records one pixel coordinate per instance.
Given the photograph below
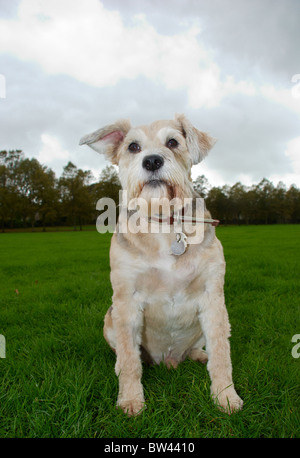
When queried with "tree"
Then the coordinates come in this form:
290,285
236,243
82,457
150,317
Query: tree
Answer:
46,195
26,189
202,186
264,190
279,204
238,203
31,194
217,203
36,188
293,204
251,197
75,196
9,196
108,185
4,196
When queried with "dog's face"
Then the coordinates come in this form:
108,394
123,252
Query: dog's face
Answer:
154,160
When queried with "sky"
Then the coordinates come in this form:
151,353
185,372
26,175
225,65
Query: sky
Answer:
69,67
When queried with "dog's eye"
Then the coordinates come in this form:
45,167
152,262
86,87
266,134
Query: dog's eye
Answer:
172,143
134,148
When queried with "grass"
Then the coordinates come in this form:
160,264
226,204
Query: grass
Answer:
58,380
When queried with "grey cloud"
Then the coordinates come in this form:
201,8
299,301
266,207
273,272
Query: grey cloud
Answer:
59,105
250,40
258,38
252,135
251,131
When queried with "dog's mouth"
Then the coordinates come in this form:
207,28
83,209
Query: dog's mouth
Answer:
155,183
156,187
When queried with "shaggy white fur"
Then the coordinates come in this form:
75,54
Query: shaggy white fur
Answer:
165,307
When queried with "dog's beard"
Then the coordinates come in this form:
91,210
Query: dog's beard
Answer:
162,188
157,189
157,197
172,185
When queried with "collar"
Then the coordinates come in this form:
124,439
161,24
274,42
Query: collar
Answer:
182,219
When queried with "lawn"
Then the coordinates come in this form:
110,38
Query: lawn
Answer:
58,380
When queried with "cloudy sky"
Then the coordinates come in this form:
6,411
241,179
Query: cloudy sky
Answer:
68,67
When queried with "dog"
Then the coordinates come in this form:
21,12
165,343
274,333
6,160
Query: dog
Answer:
167,305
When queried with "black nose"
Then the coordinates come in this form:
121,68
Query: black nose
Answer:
153,162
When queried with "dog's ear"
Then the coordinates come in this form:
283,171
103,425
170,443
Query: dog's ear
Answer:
198,143
108,139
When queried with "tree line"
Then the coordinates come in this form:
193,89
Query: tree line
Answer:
32,196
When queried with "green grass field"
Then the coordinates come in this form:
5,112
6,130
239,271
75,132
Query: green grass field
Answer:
58,380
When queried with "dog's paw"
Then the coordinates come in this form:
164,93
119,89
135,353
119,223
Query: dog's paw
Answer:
198,355
227,400
132,407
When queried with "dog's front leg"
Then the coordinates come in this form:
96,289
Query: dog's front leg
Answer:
216,328
127,320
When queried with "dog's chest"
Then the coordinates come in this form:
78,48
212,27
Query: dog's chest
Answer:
171,322
163,290
164,278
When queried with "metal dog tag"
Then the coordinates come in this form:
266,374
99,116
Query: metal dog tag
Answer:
179,245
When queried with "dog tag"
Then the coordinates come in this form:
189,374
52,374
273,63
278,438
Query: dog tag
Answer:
179,245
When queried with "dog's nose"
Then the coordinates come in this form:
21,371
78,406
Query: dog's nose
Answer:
153,162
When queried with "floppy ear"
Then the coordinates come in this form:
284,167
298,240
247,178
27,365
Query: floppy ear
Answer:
198,143
107,139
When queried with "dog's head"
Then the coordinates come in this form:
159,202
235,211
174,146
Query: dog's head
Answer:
154,160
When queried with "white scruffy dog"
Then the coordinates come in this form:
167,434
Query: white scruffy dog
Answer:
168,298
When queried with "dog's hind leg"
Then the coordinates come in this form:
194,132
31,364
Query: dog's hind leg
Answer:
197,353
